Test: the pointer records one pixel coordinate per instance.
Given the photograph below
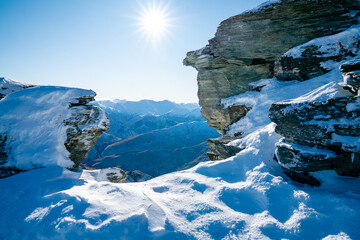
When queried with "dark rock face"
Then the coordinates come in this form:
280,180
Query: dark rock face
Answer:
220,150
3,154
246,46
351,74
9,171
321,134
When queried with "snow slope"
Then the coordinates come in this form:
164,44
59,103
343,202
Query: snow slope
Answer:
244,197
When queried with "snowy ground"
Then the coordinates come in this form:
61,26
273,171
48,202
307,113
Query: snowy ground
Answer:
243,197
240,198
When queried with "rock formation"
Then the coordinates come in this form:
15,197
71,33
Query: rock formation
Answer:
317,56
219,148
321,132
117,175
44,125
246,46
288,40
83,128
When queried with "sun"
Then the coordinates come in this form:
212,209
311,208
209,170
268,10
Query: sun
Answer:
154,22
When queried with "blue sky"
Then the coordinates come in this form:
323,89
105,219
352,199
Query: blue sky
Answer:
97,45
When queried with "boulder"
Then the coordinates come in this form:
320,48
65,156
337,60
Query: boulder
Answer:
219,148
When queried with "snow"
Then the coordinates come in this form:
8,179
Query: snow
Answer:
330,46
102,174
34,117
324,93
329,65
9,86
348,143
280,91
353,106
308,150
244,197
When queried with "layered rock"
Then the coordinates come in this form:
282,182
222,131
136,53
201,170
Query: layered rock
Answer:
246,46
321,130
220,148
83,128
351,73
318,56
45,125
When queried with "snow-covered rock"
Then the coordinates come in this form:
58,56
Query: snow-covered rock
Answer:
8,86
246,46
351,73
115,175
47,125
321,129
318,56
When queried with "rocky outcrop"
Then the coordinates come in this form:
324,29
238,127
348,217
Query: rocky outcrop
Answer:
220,148
246,46
83,128
321,130
46,125
3,150
351,73
318,56
136,176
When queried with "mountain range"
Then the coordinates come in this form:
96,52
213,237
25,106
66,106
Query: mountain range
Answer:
153,137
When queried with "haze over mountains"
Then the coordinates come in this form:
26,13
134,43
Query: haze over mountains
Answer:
153,137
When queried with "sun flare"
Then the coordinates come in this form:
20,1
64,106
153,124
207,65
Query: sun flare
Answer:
154,22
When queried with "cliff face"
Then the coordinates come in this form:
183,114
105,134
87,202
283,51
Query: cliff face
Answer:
44,125
246,47
286,40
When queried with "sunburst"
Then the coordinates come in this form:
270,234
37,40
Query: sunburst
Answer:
154,22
